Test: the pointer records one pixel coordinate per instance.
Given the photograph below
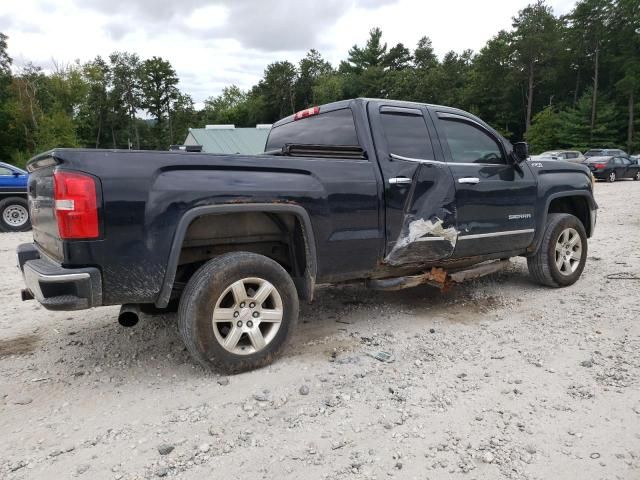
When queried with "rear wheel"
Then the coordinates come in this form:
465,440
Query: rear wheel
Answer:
611,177
637,175
560,260
237,312
14,215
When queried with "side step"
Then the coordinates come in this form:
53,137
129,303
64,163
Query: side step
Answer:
438,277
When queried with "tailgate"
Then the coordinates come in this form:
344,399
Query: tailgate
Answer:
43,219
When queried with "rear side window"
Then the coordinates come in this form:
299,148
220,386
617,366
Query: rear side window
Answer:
5,171
407,135
331,128
469,144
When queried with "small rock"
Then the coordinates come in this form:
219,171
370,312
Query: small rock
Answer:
260,397
162,472
82,468
304,390
488,457
432,330
224,381
165,449
586,363
23,401
204,448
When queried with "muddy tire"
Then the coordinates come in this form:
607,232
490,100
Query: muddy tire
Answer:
560,260
14,215
237,312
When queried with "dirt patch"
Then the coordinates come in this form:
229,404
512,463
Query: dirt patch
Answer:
18,345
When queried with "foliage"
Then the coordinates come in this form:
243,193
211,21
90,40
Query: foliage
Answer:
560,82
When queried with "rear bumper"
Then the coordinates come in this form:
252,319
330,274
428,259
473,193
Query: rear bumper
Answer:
56,287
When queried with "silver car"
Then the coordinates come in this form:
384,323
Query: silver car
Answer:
573,156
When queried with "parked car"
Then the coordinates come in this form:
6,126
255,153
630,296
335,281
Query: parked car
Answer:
613,168
573,156
391,193
14,209
606,152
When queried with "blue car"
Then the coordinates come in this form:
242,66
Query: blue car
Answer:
14,209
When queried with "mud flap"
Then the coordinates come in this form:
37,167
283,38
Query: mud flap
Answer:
428,230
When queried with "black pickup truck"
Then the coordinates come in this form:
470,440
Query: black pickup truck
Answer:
393,193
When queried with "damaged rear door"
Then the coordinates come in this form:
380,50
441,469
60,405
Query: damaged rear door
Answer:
419,192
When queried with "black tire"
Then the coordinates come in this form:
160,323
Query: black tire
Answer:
611,177
6,205
207,286
542,266
636,177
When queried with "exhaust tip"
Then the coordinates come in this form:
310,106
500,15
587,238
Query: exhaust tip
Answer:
129,315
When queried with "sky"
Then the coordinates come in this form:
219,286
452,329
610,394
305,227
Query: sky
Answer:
216,43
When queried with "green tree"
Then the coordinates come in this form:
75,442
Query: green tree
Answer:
589,24
625,28
278,89
7,131
311,68
158,81
575,128
126,92
535,40
545,131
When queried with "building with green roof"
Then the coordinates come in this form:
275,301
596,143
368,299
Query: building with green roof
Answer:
229,139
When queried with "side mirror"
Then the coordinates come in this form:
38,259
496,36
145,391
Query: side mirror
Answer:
521,151
16,174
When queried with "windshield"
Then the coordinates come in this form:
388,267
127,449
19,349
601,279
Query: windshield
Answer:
593,153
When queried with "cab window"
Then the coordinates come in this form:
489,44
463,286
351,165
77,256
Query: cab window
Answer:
331,128
406,134
470,144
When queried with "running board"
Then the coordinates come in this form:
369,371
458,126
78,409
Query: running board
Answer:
437,277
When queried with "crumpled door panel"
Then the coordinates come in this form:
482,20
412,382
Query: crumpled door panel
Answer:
428,230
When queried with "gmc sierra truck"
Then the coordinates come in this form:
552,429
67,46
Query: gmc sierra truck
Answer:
393,193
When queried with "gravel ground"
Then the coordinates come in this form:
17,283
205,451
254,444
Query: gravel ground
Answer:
498,378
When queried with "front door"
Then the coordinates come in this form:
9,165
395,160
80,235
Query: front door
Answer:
495,198
419,195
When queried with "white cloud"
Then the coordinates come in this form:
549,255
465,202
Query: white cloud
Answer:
216,43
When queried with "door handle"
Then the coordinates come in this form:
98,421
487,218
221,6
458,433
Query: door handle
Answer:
399,180
470,180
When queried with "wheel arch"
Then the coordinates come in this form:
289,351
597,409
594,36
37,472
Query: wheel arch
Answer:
579,204
305,286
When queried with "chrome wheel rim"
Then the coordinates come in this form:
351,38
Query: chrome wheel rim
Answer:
568,251
612,177
247,316
15,215
638,175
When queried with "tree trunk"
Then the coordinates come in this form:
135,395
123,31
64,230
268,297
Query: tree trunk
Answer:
529,96
99,131
575,93
630,128
135,130
594,99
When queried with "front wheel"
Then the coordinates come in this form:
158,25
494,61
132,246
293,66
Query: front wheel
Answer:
611,177
14,215
237,312
560,260
637,175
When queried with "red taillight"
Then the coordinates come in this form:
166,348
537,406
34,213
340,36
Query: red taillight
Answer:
76,205
308,112
600,165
